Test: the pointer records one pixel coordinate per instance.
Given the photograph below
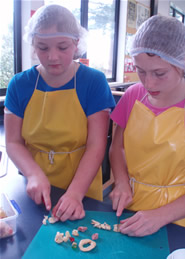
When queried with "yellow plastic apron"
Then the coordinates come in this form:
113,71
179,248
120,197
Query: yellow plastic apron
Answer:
55,132
155,155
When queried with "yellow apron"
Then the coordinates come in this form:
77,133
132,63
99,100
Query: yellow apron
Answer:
155,155
55,132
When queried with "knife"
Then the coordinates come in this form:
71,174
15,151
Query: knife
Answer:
118,222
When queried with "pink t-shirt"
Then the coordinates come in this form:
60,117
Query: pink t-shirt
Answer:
124,107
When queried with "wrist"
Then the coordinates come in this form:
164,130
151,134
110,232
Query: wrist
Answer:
76,194
121,179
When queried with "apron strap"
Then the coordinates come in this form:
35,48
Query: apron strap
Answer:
37,79
51,153
36,83
133,181
144,97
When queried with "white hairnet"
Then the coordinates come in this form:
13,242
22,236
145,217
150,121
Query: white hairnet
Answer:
67,26
162,36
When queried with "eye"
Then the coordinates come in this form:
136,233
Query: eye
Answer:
160,74
140,71
42,48
63,48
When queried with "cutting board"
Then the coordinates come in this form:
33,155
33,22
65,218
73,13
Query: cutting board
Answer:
110,245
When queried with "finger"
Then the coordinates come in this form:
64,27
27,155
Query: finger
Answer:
38,197
120,208
130,220
55,210
78,214
134,229
64,212
115,201
129,226
46,200
70,210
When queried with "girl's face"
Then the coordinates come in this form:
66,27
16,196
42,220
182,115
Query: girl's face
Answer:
55,54
159,78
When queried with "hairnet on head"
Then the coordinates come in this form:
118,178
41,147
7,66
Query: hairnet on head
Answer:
162,36
66,24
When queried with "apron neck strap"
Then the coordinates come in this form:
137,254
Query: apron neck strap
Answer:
74,77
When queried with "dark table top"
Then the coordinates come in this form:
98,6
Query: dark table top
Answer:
30,220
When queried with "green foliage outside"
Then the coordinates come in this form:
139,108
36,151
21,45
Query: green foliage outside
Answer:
6,58
101,17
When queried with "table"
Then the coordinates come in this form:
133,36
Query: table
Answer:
30,220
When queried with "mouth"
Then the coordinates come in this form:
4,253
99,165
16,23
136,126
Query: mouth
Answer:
154,93
54,65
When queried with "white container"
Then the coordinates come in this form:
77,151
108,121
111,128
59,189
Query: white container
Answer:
3,161
7,225
177,254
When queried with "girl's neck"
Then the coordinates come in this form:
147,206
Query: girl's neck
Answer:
58,80
171,98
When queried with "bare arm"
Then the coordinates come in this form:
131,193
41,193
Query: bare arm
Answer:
121,195
38,185
88,167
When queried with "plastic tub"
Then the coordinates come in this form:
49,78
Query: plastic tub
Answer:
3,161
8,224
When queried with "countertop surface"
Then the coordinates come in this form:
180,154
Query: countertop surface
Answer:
30,219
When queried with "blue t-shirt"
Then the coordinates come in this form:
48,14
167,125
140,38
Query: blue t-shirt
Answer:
91,85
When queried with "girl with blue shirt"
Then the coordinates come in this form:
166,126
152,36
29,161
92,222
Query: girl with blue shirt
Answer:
59,110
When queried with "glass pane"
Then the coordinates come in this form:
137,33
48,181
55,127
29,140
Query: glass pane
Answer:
179,16
6,43
101,22
72,5
171,11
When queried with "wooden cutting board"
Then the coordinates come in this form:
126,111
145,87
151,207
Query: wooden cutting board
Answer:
110,245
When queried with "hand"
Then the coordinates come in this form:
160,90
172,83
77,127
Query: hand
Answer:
143,223
69,207
38,188
121,197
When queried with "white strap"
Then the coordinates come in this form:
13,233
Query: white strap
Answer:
133,181
51,153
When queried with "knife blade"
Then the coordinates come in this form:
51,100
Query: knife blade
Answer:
118,222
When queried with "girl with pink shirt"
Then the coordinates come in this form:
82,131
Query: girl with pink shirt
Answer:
147,153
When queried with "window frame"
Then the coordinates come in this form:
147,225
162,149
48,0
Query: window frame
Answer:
17,36
175,11
16,40
84,23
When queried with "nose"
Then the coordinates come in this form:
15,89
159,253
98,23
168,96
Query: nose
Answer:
52,54
149,82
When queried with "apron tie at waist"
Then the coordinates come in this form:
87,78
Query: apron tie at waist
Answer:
51,153
133,180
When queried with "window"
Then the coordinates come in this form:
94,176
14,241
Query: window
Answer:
6,44
9,42
101,20
102,36
177,14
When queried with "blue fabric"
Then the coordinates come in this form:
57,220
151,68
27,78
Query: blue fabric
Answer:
92,89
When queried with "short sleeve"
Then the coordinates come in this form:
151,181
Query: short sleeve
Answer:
12,100
100,95
122,111
93,91
19,92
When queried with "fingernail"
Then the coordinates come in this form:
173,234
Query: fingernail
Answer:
57,215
